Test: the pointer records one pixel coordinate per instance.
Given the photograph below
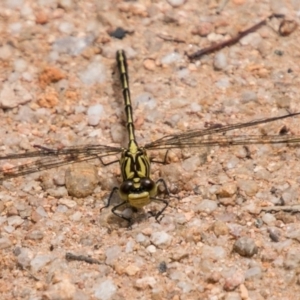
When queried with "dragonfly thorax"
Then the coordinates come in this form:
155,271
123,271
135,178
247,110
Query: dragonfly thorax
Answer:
137,187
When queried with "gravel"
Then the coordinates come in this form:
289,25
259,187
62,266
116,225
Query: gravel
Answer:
59,88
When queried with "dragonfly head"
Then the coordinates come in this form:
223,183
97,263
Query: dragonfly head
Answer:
138,191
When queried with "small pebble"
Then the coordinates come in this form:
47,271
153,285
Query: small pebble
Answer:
145,283
35,235
162,267
5,243
171,58
176,3
66,27
14,94
76,217
203,29
105,290
94,73
248,96
66,4
112,254
161,239
250,187
15,221
67,202
74,46
149,64
220,61
132,270
81,179
245,246
233,296
254,272
25,257
268,219
220,228
207,206
228,189
118,33
233,281
39,261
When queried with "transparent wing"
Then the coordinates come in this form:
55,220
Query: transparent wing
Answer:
46,158
214,137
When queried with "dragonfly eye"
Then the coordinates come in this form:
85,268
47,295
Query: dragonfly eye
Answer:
147,184
126,186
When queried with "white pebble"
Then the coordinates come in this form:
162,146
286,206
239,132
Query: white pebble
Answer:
24,257
117,133
176,3
66,27
142,239
14,94
5,52
67,202
15,27
94,114
15,221
76,216
171,58
93,73
249,96
268,218
20,65
41,211
27,76
65,3
9,229
195,107
40,261
253,272
151,249
4,243
223,83
112,254
129,246
105,290
183,73
146,100
207,206
127,213
161,238
254,39
220,61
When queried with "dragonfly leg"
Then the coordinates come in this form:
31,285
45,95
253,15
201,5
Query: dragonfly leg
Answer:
46,149
109,163
110,197
163,209
166,191
129,220
163,162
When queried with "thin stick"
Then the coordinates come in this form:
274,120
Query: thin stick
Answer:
89,260
232,41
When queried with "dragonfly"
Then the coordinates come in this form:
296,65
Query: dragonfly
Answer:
137,188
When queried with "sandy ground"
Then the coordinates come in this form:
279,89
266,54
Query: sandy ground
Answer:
219,237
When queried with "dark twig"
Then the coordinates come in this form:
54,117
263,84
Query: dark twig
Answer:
232,41
89,260
170,38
